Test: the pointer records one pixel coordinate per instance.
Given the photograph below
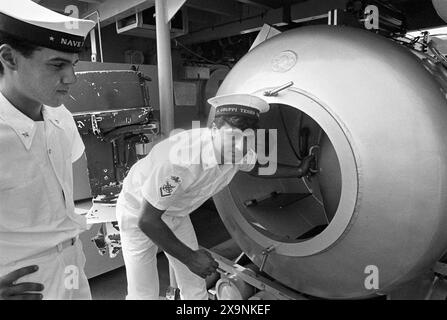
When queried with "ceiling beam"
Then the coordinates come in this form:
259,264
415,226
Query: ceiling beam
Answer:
263,4
225,8
243,25
311,8
111,10
201,17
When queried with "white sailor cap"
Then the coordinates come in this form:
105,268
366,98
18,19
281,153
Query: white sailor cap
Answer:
240,104
26,20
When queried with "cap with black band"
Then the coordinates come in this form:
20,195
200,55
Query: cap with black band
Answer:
28,21
243,105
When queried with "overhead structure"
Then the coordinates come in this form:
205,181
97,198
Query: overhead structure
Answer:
164,11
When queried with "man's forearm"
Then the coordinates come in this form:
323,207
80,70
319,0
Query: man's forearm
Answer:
284,171
165,239
288,171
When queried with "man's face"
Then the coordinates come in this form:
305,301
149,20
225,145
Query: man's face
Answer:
234,143
46,76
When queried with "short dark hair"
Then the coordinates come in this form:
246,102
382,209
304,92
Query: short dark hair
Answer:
24,47
239,122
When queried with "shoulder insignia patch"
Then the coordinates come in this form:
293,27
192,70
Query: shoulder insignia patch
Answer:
169,186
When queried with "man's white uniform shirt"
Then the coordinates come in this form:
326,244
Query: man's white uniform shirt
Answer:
36,181
179,174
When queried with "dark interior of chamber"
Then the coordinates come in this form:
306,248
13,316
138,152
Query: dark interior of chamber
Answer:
291,209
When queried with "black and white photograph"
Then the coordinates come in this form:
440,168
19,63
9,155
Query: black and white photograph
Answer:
232,156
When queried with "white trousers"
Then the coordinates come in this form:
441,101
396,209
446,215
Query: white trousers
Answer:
61,273
140,258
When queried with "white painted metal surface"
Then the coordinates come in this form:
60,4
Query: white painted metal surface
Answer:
386,118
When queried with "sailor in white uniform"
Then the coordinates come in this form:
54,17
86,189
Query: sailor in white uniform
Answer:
180,174
41,255
162,189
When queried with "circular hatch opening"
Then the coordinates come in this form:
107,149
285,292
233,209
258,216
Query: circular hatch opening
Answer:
290,209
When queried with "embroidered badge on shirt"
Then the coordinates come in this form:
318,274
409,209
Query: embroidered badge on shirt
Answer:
169,186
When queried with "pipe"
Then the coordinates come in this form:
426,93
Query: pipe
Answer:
93,43
98,21
164,61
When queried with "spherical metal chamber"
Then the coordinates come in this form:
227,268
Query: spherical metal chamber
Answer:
381,121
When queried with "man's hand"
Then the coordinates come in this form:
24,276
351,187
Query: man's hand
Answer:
199,262
306,165
202,263
21,291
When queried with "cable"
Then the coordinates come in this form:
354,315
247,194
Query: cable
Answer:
311,192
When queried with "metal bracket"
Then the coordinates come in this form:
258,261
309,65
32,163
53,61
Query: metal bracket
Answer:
439,56
95,127
265,253
274,92
280,292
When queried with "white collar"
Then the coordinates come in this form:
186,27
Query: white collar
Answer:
208,157
24,127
